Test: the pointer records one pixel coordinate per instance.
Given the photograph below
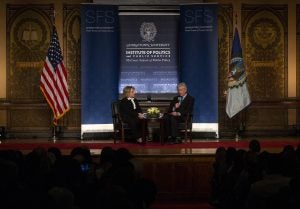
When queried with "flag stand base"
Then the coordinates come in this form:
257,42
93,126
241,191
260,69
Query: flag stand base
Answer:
237,137
54,136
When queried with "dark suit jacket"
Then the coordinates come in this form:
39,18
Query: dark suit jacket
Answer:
126,108
186,106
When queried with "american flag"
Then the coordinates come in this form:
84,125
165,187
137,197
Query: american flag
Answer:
53,81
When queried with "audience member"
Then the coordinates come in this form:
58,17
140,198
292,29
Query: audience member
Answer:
46,179
254,146
256,179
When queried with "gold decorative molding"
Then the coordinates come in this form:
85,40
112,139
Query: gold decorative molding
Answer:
267,119
225,31
72,55
72,59
298,48
264,44
264,35
21,119
72,120
298,57
28,34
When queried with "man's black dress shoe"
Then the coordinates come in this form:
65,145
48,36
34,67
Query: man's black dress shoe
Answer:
171,140
178,140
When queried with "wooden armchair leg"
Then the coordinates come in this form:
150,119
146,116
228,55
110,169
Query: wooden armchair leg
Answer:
185,136
123,136
115,136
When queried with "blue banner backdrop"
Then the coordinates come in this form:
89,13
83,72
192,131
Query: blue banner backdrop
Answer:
99,63
199,58
149,56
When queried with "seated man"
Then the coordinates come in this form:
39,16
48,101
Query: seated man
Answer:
179,109
131,112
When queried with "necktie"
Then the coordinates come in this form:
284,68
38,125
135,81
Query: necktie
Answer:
179,100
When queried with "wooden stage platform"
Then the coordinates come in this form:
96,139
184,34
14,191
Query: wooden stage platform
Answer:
197,147
181,171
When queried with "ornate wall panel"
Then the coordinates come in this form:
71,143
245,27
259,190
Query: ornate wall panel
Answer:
267,118
264,41
298,56
225,27
34,118
225,30
265,47
72,49
28,34
71,122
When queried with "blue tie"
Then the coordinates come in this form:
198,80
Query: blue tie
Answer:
179,100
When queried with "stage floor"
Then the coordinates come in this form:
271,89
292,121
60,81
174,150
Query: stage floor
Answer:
197,147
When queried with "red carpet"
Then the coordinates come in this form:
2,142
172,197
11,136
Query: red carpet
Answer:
99,145
181,205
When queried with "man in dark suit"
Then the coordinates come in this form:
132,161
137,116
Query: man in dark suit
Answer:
131,112
179,108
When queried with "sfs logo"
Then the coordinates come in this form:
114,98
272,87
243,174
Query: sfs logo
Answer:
99,17
199,16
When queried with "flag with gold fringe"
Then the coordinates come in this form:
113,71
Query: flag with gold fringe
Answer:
53,82
237,93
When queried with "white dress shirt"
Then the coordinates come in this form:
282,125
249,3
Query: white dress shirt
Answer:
132,101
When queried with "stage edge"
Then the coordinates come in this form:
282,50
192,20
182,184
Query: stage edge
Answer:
98,128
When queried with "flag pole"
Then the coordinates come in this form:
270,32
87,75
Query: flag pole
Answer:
59,103
237,131
53,17
238,97
236,16
54,137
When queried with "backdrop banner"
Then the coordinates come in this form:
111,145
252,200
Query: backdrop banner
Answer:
149,51
99,66
199,62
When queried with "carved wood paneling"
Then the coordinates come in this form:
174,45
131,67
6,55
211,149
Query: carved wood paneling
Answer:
225,30
71,49
72,55
298,57
266,118
264,42
28,34
264,35
72,120
33,118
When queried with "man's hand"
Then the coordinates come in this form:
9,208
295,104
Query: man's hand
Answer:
175,113
141,115
177,105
